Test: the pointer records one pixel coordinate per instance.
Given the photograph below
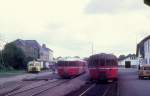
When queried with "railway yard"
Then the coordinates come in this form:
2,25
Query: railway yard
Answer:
53,85
127,84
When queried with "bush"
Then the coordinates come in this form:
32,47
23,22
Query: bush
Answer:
14,57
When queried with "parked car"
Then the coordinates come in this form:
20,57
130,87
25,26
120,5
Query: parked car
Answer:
144,71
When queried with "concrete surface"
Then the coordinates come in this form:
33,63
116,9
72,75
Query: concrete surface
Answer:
20,77
130,85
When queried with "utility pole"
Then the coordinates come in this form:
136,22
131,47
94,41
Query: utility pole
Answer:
92,48
1,50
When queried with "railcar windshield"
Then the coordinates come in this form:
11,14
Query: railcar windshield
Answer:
68,63
103,60
31,64
37,64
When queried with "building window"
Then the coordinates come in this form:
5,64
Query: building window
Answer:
148,46
145,61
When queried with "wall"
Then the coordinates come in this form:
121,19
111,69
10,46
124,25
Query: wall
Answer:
133,61
147,51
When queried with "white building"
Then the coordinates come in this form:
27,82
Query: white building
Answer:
147,51
46,56
129,61
143,51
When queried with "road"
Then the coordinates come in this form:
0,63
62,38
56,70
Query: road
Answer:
130,85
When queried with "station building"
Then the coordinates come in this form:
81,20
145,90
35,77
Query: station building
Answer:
143,51
129,61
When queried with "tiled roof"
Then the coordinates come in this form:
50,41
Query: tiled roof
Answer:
32,43
29,43
130,55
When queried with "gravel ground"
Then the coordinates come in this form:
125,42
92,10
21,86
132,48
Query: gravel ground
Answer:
3,81
67,87
10,86
96,89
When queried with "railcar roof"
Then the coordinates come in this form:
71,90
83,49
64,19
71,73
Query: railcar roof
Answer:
103,56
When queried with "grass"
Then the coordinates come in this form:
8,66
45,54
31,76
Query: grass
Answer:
8,73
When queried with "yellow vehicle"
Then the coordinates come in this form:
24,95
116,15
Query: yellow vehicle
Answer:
144,71
34,66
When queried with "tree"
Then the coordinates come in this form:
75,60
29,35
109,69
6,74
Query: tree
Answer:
121,57
1,60
58,58
13,56
76,57
147,2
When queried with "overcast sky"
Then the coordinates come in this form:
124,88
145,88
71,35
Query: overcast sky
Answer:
69,27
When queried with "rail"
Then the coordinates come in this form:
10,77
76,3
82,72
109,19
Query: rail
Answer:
27,89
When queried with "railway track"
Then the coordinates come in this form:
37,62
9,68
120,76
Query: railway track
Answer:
94,89
33,90
26,88
12,87
16,86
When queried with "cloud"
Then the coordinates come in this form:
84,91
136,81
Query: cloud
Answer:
112,6
68,28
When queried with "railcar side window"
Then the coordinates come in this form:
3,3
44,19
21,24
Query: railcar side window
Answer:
61,63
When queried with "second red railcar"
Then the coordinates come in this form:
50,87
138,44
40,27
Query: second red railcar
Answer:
70,68
103,67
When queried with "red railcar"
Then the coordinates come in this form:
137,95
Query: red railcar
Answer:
103,67
70,68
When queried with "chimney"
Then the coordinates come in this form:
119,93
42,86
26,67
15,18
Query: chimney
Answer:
44,46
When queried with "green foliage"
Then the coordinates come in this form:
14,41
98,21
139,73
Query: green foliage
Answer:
121,57
147,2
27,59
13,56
76,57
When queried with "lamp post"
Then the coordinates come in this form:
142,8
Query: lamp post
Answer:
92,48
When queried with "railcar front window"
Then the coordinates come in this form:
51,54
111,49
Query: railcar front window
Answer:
72,64
102,62
31,64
